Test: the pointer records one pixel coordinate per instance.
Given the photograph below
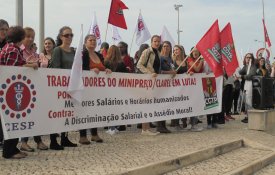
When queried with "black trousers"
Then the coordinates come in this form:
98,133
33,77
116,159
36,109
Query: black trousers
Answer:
64,136
228,98
10,148
236,94
212,119
1,132
83,132
161,124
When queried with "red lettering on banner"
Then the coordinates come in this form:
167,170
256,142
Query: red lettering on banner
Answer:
58,81
188,81
94,82
63,95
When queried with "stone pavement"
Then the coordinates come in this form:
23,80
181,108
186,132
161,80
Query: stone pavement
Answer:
129,149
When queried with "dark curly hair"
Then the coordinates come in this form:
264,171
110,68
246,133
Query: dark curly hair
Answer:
15,34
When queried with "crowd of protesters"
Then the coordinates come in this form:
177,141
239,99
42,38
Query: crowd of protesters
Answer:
18,49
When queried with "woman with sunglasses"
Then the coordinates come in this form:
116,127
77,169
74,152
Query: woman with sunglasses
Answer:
247,72
63,57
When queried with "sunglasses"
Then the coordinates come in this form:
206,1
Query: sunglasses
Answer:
68,35
249,57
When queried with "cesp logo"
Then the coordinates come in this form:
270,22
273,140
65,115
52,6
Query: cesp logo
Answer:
17,96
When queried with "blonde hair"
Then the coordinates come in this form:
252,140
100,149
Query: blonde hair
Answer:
28,30
182,54
113,57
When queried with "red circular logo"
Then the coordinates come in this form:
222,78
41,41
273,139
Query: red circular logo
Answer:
96,32
18,96
140,25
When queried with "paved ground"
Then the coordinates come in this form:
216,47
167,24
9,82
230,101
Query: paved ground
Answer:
223,163
130,149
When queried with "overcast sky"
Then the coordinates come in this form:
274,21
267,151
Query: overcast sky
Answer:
196,16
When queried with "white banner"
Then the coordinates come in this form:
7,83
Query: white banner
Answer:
35,102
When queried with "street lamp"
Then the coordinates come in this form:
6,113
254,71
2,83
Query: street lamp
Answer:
19,12
177,7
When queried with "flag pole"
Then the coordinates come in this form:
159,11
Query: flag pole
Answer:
264,21
132,41
106,33
184,60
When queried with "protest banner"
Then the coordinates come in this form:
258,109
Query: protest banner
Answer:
35,102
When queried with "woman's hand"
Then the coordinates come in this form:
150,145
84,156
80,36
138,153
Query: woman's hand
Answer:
96,70
190,73
235,77
173,73
32,65
108,71
154,75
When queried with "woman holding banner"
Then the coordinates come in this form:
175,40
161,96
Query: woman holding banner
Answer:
63,57
4,26
45,58
178,57
195,64
93,61
114,62
11,55
167,67
149,63
31,57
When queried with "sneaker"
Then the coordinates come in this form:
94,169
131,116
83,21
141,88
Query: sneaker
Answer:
152,125
112,131
226,118
149,132
56,146
42,146
84,141
209,126
65,142
230,117
178,128
96,139
26,147
196,128
18,156
215,126
163,130
245,120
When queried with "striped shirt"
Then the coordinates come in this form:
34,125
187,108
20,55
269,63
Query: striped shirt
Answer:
11,55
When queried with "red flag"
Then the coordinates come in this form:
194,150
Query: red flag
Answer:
209,47
229,56
116,16
266,37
